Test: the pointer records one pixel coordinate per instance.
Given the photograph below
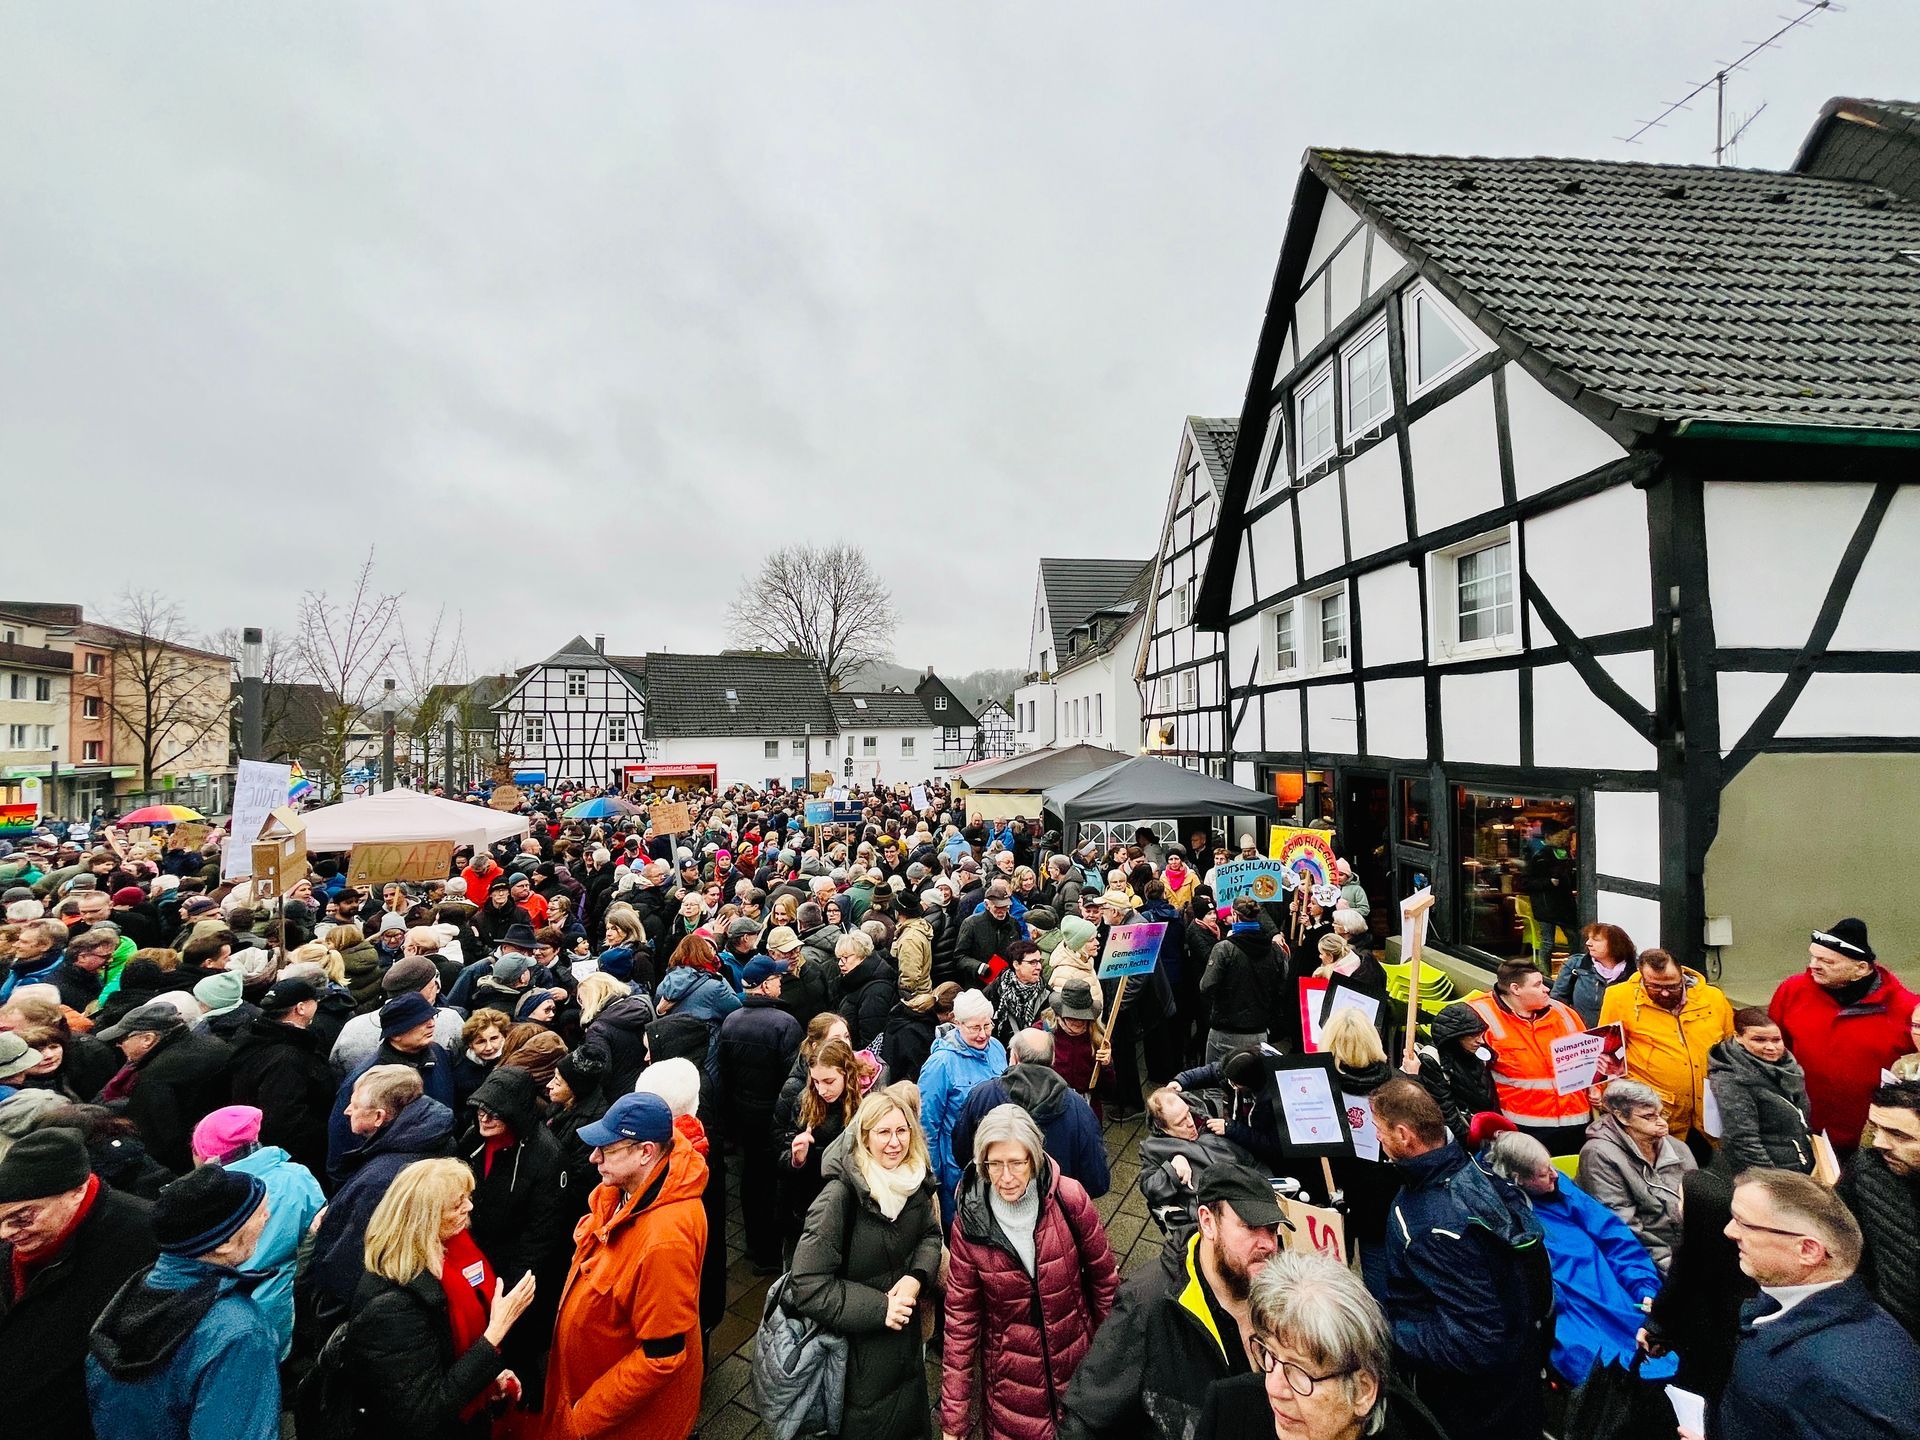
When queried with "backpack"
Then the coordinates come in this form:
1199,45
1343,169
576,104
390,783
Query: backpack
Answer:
325,1406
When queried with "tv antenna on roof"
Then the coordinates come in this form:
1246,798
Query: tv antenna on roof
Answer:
1717,82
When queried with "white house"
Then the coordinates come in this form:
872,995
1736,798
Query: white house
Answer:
578,717
1178,666
1066,596
996,732
1567,553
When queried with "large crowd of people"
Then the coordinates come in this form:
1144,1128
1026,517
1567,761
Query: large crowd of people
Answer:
454,1158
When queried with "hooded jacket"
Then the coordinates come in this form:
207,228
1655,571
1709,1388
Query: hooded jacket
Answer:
626,1356
1668,1050
183,1353
618,1035
1763,1109
522,1217
866,995
756,1049
293,1199
63,1298
1014,1337
1888,1209
1457,1080
422,1131
1601,1278
181,1078
283,1070
1646,1196
848,1256
695,992
1843,1047
952,1070
981,938
1243,983
1067,1124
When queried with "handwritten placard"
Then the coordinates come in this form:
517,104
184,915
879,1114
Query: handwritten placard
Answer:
1131,950
673,818
259,788
1316,1231
1264,880
411,862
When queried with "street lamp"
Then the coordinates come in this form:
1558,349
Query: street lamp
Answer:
53,780
252,696
386,740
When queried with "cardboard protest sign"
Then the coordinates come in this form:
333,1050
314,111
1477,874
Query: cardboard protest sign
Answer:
918,797
411,861
259,789
820,781
819,812
505,797
1590,1058
189,835
1316,1231
139,834
1265,880
1131,950
1307,853
1308,1105
673,818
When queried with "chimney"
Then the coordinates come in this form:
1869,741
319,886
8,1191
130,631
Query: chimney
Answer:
599,644
929,672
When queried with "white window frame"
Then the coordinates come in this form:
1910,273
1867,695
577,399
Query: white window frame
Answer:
1189,689
1316,663
1273,454
90,751
95,666
90,707
1182,604
869,747
1099,713
1303,462
949,737
829,747
1358,424
533,730
1270,666
797,749
616,730
1410,316
1443,584
939,702
16,737
43,689
906,747
770,749
576,684
1164,693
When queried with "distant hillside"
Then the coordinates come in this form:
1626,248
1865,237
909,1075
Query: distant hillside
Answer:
975,685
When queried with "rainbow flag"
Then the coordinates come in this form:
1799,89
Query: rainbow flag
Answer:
298,785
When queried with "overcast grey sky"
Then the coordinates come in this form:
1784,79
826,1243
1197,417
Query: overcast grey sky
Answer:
577,309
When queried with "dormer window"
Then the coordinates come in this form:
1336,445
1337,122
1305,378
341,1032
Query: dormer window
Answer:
858,703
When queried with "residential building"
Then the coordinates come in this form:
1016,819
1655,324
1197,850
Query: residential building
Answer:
1876,141
994,740
1067,596
755,717
36,686
576,718
893,735
1183,691
1566,555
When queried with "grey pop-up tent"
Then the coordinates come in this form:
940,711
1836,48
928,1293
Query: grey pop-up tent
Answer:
1002,789
1149,788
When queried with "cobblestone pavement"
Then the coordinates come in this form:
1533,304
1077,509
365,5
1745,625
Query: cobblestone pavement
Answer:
726,1412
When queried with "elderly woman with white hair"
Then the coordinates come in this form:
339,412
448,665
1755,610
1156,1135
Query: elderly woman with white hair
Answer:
1031,1278
963,1055
1634,1167
1322,1363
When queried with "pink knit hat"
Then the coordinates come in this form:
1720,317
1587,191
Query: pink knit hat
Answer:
231,1128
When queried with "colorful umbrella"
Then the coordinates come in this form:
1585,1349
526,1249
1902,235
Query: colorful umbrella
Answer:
298,785
160,815
600,807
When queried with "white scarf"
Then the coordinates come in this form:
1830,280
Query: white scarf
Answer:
891,1189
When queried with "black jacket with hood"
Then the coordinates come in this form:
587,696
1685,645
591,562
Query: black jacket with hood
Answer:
618,1036
1456,1079
866,996
1763,1109
283,1070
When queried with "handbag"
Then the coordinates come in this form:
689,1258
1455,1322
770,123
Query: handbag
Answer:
1616,1404
799,1370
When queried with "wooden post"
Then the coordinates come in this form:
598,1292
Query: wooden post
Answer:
1326,1173
1113,1014
1413,910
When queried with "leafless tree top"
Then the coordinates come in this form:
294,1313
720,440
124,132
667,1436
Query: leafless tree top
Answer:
820,600
348,644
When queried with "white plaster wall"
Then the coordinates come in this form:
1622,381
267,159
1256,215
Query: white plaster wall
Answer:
1037,639
1310,315
1322,541
1043,733
1456,459
894,768
1772,549
1639,918
1345,277
1283,719
1883,612
1573,727
742,761
1743,695
1397,719
1336,219
1626,839
1552,442
1333,719
1390,616
1272,540
1376,511
1591,560
1242,772
1480,717
1387,262
1242,595
1848,705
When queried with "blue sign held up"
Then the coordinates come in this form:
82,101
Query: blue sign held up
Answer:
819,812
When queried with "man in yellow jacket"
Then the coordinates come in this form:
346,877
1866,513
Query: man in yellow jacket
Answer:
1671,1018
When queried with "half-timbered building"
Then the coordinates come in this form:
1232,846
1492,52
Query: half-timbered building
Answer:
1568,555
577,717
994,738
1183,693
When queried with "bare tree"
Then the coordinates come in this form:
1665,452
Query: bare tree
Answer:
167,693
347,647
433,672
820,600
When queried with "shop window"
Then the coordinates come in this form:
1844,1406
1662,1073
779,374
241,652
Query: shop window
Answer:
1519,873
1416,813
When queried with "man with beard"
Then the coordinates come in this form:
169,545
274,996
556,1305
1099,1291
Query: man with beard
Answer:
1180,1325
1881,1187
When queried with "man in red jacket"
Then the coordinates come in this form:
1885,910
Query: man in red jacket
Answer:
1845,1019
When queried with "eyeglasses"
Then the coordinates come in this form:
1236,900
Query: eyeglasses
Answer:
1009,1167
486,1113
1766,1229
20,1220
1298,1380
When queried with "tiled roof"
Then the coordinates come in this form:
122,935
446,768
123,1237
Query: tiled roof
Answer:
1074,589
1213,440
774,695
883,709
1874,141
1652,293
1121,613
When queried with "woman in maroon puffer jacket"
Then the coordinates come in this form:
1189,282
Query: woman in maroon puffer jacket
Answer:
1031,1278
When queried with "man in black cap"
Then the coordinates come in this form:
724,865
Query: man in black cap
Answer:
360,1036
185,1353
280,1065
172,1077
67,1243
406,1038
1182,1324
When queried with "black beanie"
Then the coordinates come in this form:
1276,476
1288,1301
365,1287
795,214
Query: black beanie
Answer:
1246,1069
582,1070
1849,937
42,1163
200,1210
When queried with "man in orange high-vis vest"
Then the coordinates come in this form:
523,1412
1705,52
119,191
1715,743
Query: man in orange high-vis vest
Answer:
1523,1020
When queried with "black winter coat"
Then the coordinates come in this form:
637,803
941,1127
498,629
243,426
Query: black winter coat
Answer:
946,945
406,1376
866,996
1456,1079
1243,985
757,1045
812,988
1238,1408
908,1042
283,1070
1888,1209
182,1079
981,938
1763,1109
44,1332
618,1036
1697,1311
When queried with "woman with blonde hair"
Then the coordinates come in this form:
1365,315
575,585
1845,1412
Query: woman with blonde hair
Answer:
430,1317
1370,1183
868,1253
360,966
596,992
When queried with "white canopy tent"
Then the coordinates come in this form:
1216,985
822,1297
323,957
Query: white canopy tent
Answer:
403,816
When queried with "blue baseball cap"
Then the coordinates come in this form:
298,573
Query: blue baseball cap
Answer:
760,969
631,1117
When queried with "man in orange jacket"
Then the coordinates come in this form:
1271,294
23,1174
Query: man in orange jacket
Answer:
626,1361
1523,1020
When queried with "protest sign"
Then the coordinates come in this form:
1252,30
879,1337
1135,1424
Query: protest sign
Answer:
189,835
1589,1058
1313,995
412,862
18,819
139,834
819,812
1307,853
258,789
1366,1135
674,818
1265,880
1131,950
1343,994
820,781
504,797
1316,1231
918,797
1308,1105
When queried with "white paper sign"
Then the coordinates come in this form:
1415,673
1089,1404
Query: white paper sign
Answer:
1366,1135
1407,923
1689,1409
1580,1060
1710,1122
919,797
583,966
1345,999
1307,1105
258,789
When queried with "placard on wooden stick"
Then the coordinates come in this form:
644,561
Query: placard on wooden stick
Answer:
673,818
411,862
